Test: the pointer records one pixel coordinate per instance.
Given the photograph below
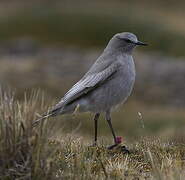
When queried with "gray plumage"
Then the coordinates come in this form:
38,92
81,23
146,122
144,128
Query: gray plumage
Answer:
108,82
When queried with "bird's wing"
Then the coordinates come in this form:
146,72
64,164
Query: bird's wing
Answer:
85,85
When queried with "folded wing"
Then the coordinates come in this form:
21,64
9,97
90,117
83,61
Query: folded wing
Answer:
86,84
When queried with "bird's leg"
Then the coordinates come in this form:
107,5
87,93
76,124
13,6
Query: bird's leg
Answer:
108,118
96,117
123,148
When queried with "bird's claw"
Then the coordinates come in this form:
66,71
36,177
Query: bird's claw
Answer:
119,147
112,146
93,145
125,150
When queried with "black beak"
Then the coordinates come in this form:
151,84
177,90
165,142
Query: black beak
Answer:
141,43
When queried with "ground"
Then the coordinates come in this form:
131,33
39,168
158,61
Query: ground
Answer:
45,152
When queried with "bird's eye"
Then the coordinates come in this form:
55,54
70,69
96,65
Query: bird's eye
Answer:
128,40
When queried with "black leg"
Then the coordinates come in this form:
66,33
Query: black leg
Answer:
108,118
96,117
123,148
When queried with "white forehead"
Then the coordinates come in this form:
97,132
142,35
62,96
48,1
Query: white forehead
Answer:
127,35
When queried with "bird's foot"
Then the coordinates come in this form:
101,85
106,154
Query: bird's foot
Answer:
112,146
125,150
93,145
117,141
119,147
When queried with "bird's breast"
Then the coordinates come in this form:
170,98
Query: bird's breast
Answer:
113,91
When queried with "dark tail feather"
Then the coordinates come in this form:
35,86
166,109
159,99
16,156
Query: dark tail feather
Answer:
35,123
51,113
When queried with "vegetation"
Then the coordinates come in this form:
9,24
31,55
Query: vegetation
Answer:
39,153
59,148
71,23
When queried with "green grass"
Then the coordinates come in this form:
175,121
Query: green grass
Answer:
46,152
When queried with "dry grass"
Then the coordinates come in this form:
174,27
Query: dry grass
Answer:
149,159
21,147
27,153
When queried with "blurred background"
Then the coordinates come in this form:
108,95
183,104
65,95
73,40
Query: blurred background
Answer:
49,45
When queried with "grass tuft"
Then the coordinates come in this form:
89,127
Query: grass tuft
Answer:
27,153
21,146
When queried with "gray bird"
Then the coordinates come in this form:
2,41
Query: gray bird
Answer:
108,82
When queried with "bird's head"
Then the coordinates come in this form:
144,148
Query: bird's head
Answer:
125,41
